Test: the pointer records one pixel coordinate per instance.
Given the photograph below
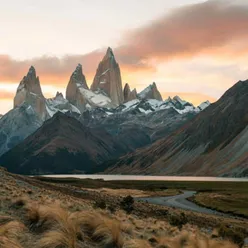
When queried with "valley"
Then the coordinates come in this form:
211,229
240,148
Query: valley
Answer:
124,124
32,207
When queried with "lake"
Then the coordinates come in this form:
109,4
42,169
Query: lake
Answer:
150,178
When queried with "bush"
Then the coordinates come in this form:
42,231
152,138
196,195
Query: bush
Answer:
178,220
100,204
127,204
233,234
112,208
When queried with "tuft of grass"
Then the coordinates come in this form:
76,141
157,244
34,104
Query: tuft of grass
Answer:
137,243
10,233
106,232
233,234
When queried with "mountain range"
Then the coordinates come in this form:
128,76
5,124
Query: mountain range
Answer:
116,130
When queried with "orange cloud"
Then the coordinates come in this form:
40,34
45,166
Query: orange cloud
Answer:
215,27
206,27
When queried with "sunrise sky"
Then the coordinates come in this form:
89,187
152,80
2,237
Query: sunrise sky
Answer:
192,48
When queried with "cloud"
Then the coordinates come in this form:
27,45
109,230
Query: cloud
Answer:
207,27
217,28
51,69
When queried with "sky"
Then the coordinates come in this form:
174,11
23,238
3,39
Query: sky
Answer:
192,48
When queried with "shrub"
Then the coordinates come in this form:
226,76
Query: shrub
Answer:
178,220
100,204
233,234
127,204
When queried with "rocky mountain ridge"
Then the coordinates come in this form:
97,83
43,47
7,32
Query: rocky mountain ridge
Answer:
136,119
214,143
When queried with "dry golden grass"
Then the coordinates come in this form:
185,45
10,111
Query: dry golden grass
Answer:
56,220
137,243
191,240
105,231
56,227
10,233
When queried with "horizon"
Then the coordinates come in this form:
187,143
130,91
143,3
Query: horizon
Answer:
161,43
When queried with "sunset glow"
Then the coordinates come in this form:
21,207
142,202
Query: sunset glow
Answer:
195,49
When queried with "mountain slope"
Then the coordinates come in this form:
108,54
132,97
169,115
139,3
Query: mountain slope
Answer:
214,143
16,125
151,92
62,145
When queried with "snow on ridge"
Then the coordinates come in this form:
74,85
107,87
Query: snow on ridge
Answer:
94,98
144,92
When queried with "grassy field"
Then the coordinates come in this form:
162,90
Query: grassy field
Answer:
48,215
234,202
228,197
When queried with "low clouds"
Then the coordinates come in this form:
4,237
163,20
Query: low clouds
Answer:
213,27
204,28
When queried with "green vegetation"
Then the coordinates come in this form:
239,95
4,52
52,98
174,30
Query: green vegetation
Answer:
232,202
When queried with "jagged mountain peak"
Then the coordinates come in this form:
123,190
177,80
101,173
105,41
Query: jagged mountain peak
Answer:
108,78
151,92
29,91
32,71
127,86
78,77
109,53
31,82
128,94
59,95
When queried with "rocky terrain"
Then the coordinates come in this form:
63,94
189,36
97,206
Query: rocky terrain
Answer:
214,143
108,78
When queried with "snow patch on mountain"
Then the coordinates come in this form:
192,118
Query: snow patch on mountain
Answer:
95,99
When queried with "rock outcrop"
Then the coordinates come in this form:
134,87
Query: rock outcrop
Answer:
151,92
128,94
214,143
79,95
59,103
29,91
77,82
108,78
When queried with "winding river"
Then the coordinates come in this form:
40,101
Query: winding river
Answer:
180,201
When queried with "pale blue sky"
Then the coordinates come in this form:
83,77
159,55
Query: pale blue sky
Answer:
32,28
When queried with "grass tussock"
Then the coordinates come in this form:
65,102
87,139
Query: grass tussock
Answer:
105,231
53,226
191,240
63,229
10,234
